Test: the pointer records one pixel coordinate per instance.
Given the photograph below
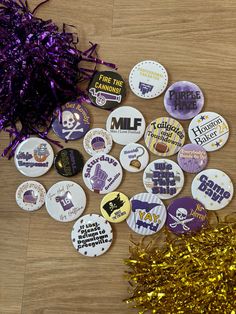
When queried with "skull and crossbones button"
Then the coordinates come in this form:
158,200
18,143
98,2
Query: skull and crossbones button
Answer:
75,122
186,215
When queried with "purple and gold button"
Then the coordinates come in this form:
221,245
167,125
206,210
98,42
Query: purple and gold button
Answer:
186,215
183,100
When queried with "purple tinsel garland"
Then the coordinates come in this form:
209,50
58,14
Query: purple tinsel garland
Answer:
39,71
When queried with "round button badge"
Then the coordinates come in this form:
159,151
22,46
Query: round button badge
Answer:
34,157
164,136
148,79
148,214
30,195
210,130
91,235
164,178
213,188
107,89
75,122
134,157
68,162
115,207
192,158
186,215
97,141
183,100
126,125
65,201
102,173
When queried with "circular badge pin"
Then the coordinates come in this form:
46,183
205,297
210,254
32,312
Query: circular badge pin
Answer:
148,214
183,100
213,188
164,136
97,141
115,207
148,79
68,162
75,122
34,157
30,196
164,178
126,125
107,89
210,130
102,173
186,215
65,201
134,157
92,235
192,158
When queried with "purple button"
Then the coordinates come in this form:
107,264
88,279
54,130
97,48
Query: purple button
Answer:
186,215
183,100
192,158
75,122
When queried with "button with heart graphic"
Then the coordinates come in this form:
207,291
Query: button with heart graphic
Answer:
75,122
185,215
65,201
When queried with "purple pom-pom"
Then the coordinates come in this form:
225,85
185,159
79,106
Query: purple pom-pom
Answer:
39,70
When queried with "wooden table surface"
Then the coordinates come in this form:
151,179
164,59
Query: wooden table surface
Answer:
40,272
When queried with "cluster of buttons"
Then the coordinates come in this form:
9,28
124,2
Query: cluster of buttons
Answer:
145,213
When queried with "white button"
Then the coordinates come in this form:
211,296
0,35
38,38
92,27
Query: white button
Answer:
65,201
30,195
210,130
148,79
126,125
213,188
97,141
164,178
102,173
34,157
92,235
134,157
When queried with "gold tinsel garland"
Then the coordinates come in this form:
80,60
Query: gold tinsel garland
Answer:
191,274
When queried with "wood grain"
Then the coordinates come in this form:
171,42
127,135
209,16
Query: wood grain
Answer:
40,271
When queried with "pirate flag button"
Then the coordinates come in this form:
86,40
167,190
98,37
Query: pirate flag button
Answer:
68,162
148,214
148,79
164,178
102,173
183,100
213,188
134,157
65,201
106,89
75,122
210,130
30,195
185,215
97,141
192,158
34,157
91,235
115,207
164,136
126,125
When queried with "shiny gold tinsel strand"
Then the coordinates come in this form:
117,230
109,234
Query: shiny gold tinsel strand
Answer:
191,274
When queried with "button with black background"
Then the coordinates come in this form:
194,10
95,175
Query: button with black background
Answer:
68,162
107,89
